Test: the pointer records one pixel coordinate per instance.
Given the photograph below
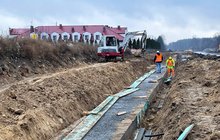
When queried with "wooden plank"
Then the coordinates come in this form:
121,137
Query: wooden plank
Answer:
61,135
152,81
141,79
101,106
140,134
126,92
121,113
140,97
140,115
84,127
148,132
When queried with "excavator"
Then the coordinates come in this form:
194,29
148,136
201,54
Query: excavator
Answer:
111,49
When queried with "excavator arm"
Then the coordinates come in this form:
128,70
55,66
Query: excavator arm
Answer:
131,35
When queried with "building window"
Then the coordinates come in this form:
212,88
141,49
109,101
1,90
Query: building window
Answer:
54,38
86,37
76,38
44,37
65,37
97,37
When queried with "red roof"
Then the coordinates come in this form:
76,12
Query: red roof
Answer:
111,32
18,31
69,29
105,30
119,30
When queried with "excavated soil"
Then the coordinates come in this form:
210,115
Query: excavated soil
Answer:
37,108
193,97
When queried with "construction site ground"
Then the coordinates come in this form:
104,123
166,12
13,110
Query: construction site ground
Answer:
39,107
193,97
117,124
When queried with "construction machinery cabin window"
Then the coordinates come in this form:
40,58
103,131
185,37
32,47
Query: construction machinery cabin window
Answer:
110,41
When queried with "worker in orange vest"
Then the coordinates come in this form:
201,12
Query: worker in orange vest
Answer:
158,60
170,64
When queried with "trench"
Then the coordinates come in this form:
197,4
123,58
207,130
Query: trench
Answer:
42,108
190,100
133,101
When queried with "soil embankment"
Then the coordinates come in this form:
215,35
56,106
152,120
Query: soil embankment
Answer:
192,98
38,108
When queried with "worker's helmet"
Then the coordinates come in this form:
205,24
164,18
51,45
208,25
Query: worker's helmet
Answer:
158,51
170,57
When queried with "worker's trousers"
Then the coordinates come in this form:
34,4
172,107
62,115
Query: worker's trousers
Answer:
158,67
170,72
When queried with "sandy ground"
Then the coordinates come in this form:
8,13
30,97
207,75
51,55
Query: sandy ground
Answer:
37,108
192,98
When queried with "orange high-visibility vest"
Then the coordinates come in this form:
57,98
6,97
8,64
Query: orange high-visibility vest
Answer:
170,63
158,57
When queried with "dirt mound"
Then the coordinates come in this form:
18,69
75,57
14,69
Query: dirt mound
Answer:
26,57
38,108
193,97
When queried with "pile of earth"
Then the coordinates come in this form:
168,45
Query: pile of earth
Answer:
26,57
192,98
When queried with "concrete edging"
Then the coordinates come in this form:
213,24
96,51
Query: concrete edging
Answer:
94,116
136,122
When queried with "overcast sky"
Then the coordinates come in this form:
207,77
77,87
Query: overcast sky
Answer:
175,19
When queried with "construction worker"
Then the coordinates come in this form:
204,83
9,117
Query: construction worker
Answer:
158,60
170,64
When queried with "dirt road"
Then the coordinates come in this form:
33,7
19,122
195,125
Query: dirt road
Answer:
192,98
39,107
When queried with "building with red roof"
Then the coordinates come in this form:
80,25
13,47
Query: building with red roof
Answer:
74,33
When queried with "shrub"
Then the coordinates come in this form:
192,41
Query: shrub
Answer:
43,50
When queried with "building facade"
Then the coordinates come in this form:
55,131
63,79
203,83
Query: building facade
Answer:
84,33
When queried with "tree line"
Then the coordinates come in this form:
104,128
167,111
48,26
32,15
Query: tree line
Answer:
157,44
196,44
